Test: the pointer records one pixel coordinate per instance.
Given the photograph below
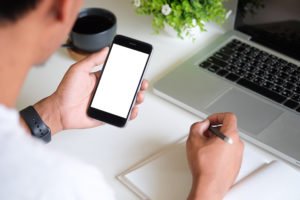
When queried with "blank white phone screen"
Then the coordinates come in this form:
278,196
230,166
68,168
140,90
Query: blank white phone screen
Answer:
120,80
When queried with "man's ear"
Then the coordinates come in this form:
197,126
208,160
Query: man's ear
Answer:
62,9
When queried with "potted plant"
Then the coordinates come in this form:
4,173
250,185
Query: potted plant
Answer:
182,15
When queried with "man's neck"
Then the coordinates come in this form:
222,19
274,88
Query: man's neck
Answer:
14,65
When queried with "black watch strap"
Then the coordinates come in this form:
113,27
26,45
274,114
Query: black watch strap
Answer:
38,128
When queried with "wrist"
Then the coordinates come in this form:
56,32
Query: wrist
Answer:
205,189
49,112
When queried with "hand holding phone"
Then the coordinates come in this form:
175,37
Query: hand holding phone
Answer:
120,81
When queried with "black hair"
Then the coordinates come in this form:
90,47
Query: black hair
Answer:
12,10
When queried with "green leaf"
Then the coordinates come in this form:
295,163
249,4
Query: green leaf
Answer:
184,12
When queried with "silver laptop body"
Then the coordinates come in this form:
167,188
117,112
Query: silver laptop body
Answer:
262,121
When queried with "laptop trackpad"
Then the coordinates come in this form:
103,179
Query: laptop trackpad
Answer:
253,114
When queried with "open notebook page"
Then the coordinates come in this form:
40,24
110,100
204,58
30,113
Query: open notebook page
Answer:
165,175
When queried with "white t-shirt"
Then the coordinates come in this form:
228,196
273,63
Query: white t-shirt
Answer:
29,171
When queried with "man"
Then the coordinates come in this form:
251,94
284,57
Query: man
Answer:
30,31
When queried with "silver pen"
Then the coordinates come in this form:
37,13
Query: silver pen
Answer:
213,129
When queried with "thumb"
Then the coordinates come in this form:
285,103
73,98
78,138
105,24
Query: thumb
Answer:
95,59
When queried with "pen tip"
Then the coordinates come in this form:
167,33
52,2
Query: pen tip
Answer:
228,140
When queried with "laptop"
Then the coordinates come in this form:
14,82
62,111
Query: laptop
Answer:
253,71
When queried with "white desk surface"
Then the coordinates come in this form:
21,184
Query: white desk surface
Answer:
113,150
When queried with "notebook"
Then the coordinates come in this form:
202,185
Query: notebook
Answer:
165,175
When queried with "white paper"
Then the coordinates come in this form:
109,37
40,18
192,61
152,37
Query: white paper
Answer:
276,181
166,175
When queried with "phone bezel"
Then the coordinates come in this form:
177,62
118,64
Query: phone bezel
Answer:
109,117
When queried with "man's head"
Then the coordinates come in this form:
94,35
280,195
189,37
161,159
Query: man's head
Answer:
11,11
39,25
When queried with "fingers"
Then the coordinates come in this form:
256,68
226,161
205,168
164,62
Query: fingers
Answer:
228,120
145,85
229,124
139,99
199,128
197,132
134,113
93,60
141,94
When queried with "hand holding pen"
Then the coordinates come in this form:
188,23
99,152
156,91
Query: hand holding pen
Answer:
214,163
214,129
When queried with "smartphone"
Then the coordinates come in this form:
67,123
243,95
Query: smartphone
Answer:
120,81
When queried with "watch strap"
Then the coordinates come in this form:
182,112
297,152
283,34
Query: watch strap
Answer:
36,125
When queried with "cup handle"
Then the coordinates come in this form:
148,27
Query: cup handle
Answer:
68,45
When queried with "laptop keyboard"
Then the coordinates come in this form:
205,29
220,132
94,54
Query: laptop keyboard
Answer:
258,71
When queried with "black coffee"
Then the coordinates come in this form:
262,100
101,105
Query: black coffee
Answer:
92,24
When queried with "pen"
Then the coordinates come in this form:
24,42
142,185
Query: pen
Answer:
219,134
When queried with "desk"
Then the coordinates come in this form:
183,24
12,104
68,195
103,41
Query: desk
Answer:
110,149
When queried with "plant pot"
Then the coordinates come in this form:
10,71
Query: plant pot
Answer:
188,33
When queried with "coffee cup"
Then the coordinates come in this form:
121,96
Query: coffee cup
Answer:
94,29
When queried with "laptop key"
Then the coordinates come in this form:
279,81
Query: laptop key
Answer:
250,69
288,85
286,93
232,77
292,66
282,61
297,84
273,70
258,80
282,75
277,89
259,73
297,90
240,72
232,44
217,61
235,41
296,97
222,56
230,68
249,76
222,72
291,104
269,77
261,90
235,56
205,64
277,81
242,49
226,51
267,84
295,73
270,61
213,68
238,65
292,79
287,69
261,66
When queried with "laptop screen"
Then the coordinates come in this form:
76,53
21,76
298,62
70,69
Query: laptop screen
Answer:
272,23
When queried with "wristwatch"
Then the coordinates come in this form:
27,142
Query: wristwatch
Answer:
36,125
